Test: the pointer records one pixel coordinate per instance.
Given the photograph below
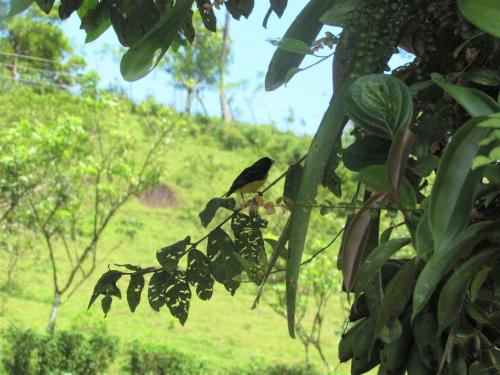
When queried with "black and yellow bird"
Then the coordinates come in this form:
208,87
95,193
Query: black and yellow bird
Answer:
252,178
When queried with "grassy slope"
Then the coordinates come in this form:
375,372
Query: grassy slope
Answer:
223,331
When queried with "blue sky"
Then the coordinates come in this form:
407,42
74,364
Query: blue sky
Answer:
306,96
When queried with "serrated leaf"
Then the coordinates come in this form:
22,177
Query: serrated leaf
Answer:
366,151
452,183
338,14
398,157
482,13
213,205
380,104
157,289
475,102
305,28
134,290
292,183
106,285
355,239
96,21
453,292
169,256
145,54
18,6
199,274
374,261
224,265
178,296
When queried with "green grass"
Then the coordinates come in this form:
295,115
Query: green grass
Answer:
225,331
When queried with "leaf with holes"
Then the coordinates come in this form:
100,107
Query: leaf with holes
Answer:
157,288
225,267
178,296
213,205
380,104
199,275
249,244
106,285
134,290
169,256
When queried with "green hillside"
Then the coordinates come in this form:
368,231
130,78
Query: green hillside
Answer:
200,161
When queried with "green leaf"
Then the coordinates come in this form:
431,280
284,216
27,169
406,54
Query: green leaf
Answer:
304,28
278,6
199,274
278,249
292,183
224,265
157,288
45,5
374,261
397,294
106,285
145,54
440,263
291,73
67,7
452,184
354,241
424,245
208,18
134,290
366,151
169,256
85,7
478,282
238,8
428,343
213,205
398,157
386,235
475,102
321,147
482,13
484,77
453,293
96,21
18,6
106,305
291,45
425,165
178,296
249,244
338,14
380,104
377,178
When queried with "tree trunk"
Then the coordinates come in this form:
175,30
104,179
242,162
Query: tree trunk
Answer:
189,101
53,314
224,106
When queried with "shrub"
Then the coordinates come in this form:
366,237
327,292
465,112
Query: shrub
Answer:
28,352
274,369
161,360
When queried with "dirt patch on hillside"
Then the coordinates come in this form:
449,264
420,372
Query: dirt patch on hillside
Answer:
160,196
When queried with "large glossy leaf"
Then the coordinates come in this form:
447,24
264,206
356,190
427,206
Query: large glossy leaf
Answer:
304,28
18,6
376,259
482,13
369,150
397,294
453,292
96,21
355,240
475,102
440,263
145,54
380,104
451,179
321,147
398,157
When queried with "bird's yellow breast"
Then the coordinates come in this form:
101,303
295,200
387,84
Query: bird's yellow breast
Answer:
252,187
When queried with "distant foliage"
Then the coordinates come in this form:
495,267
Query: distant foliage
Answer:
28,352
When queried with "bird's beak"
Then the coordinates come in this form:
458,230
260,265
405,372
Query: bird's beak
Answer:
273,161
